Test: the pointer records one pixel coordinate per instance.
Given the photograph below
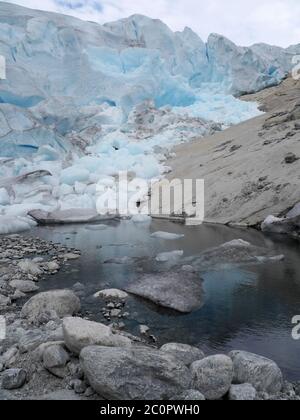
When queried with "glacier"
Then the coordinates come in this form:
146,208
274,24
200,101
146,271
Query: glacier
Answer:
84,101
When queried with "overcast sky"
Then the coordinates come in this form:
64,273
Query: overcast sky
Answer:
245,22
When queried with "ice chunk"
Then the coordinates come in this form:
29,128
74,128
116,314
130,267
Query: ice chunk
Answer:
4,197
74,173
141,218
167,236
169,256
9,225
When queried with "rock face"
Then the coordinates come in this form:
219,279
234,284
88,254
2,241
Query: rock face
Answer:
244,392
174,290
258,371
183,352
63,302
14,379
134,374
79,333
213,376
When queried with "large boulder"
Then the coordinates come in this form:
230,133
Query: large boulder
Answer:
262,373
213,376
183,352
180,291
136,373
63,302
80,333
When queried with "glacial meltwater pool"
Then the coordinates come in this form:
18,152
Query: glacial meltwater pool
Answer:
245,308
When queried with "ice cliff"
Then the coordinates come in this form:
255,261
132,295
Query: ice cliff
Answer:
84,101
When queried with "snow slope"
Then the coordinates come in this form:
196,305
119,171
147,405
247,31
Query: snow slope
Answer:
84,101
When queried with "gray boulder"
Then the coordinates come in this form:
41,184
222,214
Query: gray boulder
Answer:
4,301
24,286
180,291
262,373
244,392
183,352
213,376
14,379
55,359
80,333
63,302
136,373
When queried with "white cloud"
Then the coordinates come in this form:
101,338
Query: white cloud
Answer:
272,21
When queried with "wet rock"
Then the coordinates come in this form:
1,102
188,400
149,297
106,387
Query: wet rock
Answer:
55,359
244,392
24,286
213,376
14,379
80,333
174,290
236,252
154,375
183,352
63,302
263,374
52,266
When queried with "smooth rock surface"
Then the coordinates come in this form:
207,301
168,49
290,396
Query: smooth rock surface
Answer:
174,290
63,302
134,374
80,333
24,286
14,379
55,359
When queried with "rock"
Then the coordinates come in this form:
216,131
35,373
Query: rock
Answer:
31,340
190,395
4,301
144,329
183,352
244,392
136,373
52,266
256,370
14,379
80,333
115,313
174,290
78,386
29,267
9,357
55,359
67,216
290,158
213,376
24,286
17,295
111,294
63,302
286,226
71,256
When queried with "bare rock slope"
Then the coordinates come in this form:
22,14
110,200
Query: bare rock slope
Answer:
251,170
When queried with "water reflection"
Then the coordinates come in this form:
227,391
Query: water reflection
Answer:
248,308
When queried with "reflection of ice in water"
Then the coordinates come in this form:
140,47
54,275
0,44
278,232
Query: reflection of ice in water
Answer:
2,328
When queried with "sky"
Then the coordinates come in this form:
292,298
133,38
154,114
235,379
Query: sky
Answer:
245,22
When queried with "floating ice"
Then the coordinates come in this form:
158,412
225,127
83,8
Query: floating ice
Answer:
167,236
169,256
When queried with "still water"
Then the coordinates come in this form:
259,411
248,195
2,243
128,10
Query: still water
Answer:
249,308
